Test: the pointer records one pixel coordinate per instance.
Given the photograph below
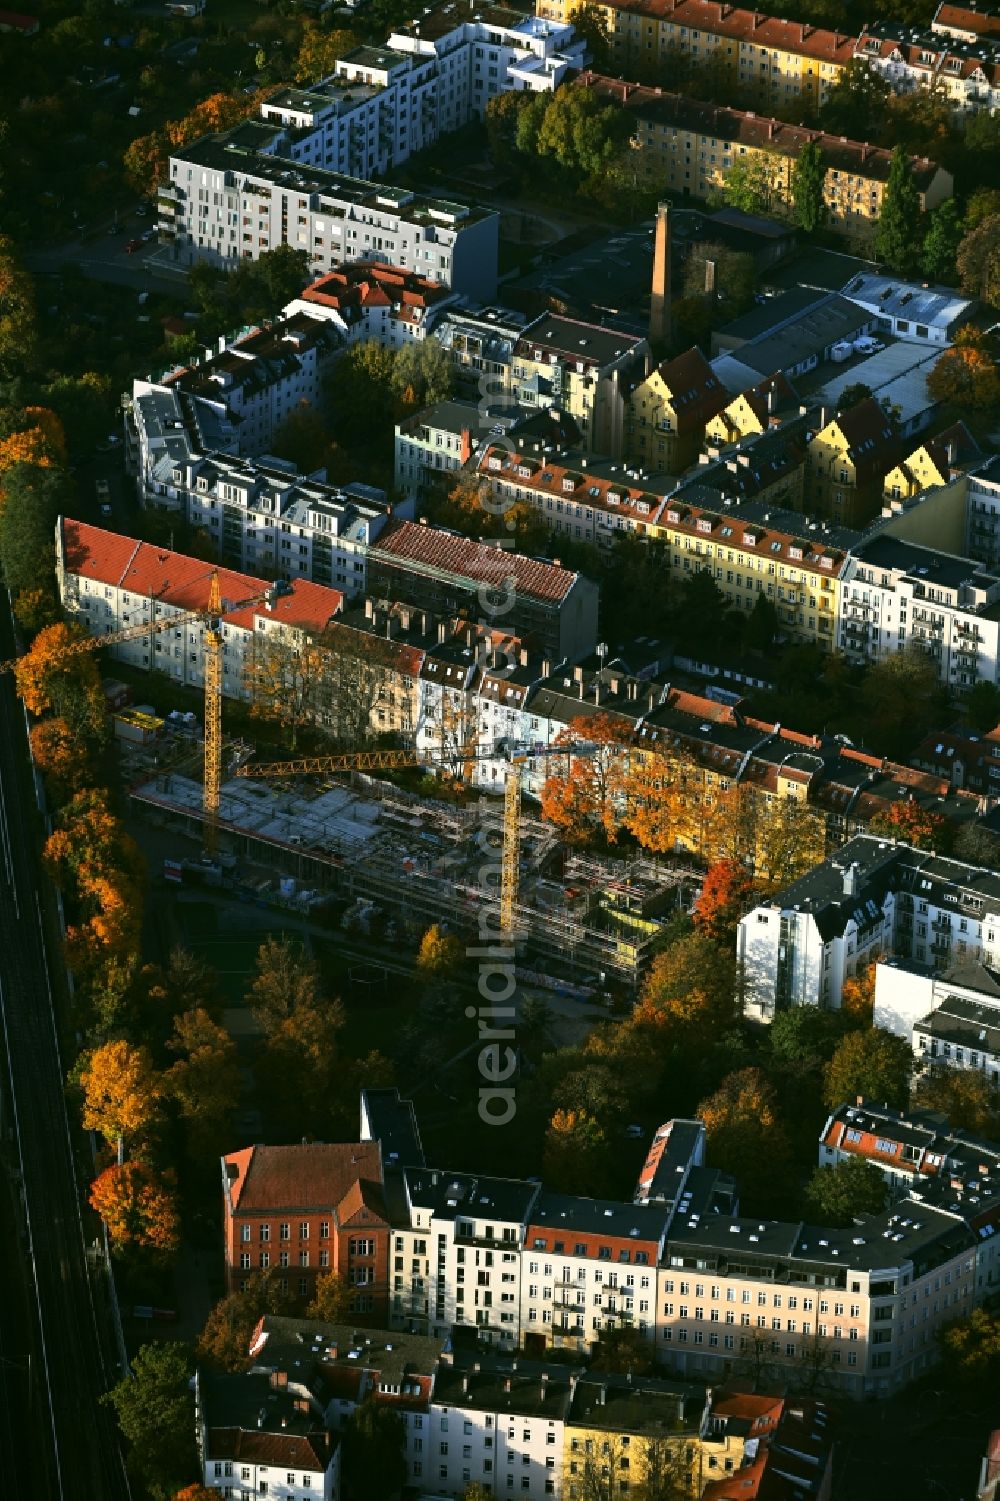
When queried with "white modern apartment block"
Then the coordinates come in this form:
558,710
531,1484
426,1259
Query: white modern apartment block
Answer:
257,1440
950,1019
109,583
983,513
456,1254
382,104
233,197
895,594
500,1428
873,899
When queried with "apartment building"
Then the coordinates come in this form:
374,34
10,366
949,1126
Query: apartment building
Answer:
370,300
963,72
669,410
764,406
306,1210
456,1253
755,1446
950,1018
870,900
896,594
933,463
108,582
687,146
262,514
589,1266
746,51
965,22
501,1426
481,343
848,459
862,1306
433,444
982,529
255,1439
581,369
623,1434
232,197
550,608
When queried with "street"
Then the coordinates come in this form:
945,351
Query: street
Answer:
78,1456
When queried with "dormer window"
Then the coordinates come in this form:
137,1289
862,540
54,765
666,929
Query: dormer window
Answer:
496,463
569,485
674,516
202,483
704,524
749,539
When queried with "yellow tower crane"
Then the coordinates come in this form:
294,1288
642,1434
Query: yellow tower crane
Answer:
211,618
399,760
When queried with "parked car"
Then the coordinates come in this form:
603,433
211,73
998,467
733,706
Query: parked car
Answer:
131,245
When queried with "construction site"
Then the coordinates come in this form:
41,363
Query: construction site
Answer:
579,919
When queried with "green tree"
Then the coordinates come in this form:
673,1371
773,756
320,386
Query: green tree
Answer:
874,1064
422,373
735,277
33,499
589,22
18,332
808,181
851,395
356,390
750,183
897,236
856,103
804,1038
374,1463
984,203
577,1157
838,1195
578,132
982,706
941,242
978,260
500,119
901,699
155,1411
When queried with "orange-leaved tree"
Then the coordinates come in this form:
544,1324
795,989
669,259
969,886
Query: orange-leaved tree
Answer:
70,685
725,895
205,1080
57,753
908,821
581,794
138,1206
121,1092
740,1115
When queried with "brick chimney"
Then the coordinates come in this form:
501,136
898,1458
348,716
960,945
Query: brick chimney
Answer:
465,450
659,305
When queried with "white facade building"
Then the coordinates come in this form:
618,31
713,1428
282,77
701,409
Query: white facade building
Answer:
894,594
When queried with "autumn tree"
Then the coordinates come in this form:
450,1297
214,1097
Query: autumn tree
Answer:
692,985
154,1405
320,51
138,1206
725,895
963,1095
204,1083
590,23
581,791
751,182
332,1299
196,1492
908,821
422,373
978,259
577,1156
440,953
284,678
56,752
356,391
665,800
857,996
120,1090
224,1342
965,376
50,679
286,977
875,1065
838,1195
738,1117
970,1350
301,1062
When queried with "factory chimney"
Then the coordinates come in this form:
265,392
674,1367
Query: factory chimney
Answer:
659,306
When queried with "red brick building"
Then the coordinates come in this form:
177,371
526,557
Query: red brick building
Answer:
305,1210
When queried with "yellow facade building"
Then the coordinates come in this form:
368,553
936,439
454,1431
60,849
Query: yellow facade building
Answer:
666,414
755,411
849,458
687,147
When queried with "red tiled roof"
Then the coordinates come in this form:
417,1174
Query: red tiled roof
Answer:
429,547
310,1175
362,1195
721,19
960,18
183,582
15,20
696,392
290,1451
371,284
